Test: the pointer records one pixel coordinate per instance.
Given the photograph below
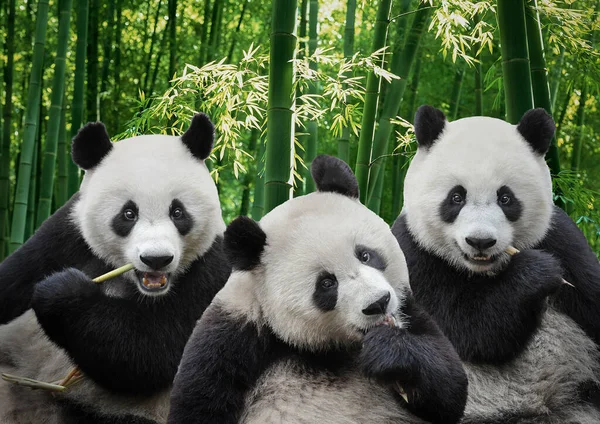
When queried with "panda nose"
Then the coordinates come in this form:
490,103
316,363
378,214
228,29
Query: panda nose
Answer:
156,262
480,243
378,307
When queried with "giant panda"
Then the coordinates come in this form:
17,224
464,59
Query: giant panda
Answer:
476,187
149,201
303,330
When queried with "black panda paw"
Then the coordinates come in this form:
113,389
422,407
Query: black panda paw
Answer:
62,290
384,358
536,272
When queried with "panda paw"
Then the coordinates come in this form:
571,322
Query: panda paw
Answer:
61,290
536,272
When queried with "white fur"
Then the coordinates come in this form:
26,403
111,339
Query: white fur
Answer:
306,236
481,154
152,171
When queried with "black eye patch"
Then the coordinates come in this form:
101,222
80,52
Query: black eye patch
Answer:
453,203
508,202
370,257
125,220
326,292
180,217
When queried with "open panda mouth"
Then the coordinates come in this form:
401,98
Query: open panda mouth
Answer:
153,282
480,258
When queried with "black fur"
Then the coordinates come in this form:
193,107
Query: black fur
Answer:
90,145
325,298
581,268
72,413
449,209
184,223
120,224
373,258
130,344
334,175
429,125
244,243
514,208
537,128
221,363
200,136
422,361
488,319
55,245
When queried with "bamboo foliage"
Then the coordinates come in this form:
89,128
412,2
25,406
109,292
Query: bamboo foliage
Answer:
312,127
478,76
107,56
7,127
17,232
280,110
515,59
344,140
58,88
78,87
365,139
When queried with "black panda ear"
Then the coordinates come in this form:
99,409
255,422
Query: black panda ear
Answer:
244,242
537,128
334,175
429,124
90,145
200,136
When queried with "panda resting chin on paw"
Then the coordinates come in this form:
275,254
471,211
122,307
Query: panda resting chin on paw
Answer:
148,201
317,324
475,188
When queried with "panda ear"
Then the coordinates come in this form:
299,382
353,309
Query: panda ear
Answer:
429,124
537,128
200,136
244,242
90,145
334,175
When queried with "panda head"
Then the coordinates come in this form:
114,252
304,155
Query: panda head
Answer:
147,200
320,269
479,185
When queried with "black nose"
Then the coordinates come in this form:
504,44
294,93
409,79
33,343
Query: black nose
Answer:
157,262
480,243
378,307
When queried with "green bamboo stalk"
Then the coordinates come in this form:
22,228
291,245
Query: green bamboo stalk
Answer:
214,28
478,77
280,109
117,67
456,89
563,111
172,38
344,140
515,59
161,48
245,205
402,62
17,232
30,223
7,127
58,90
107,57
300,131
365,139
258,203
539,76
78,87
578,141
236,34
92,61
312,126
556,77
62,159
152,42
204,34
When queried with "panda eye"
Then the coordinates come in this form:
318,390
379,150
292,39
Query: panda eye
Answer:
328,283
365,257
457,198
129,214
505,199
177,213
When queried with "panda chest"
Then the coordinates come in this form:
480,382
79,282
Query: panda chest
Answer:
294,391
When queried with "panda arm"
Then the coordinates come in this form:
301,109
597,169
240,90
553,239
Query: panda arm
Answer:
56,244
581,268
221,363
124,346
421,360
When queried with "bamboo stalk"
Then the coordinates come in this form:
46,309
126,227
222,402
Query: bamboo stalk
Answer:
114,273
344,140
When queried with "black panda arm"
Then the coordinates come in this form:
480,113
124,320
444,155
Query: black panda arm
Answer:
55,245
123,345
581,268
221,363
422,361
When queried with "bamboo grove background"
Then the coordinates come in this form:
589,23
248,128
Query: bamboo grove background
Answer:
285,80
